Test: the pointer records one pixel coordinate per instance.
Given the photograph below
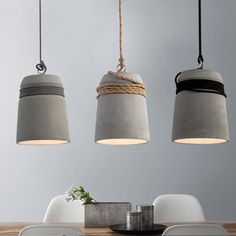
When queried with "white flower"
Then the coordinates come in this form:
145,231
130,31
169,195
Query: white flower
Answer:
72,194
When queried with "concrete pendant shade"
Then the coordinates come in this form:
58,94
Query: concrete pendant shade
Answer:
121,118
42,116
200,117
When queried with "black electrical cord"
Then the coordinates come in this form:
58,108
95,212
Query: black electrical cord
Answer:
41,67
201,86
200,56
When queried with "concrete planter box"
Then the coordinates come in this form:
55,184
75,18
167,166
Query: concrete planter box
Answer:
104,214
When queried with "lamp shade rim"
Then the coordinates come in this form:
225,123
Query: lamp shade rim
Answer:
43,142
122,141
199,141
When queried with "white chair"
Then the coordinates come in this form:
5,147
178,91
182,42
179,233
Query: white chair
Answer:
177,208
195,229
50,230
60,211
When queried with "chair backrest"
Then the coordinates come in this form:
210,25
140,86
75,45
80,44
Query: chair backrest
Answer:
177,208
195,229
59,211
50,230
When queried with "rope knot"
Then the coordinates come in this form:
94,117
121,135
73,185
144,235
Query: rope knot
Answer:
121,60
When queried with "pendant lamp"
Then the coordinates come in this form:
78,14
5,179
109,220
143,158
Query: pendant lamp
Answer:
42,116
121,109
200,115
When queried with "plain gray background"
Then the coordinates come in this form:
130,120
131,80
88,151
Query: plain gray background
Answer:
80,43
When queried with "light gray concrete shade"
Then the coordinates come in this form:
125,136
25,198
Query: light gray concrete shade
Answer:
200,118
121,118
42,118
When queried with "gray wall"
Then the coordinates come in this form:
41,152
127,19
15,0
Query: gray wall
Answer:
80,45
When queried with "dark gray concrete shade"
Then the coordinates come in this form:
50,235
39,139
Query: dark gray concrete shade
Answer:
42,116
200,118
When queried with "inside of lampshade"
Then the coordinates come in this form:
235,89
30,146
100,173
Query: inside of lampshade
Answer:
43,142
200,141
121,141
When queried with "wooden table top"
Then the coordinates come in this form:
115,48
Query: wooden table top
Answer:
12,229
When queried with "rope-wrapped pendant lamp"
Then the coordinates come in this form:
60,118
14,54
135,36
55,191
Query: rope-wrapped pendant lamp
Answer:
121,110
200,115
42,116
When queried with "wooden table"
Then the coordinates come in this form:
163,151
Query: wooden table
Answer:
12,229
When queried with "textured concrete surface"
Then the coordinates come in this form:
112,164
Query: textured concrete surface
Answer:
200,115
42,117
101,215
121,116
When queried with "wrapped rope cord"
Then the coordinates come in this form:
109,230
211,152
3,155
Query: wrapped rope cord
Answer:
135,87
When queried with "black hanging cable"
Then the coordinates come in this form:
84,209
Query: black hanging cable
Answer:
200,56
41,67
199,85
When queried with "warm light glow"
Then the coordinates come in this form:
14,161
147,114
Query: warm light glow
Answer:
200,141
43,142
121,141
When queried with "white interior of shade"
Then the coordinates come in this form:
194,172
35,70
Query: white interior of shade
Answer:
42,142
200,141
121,141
